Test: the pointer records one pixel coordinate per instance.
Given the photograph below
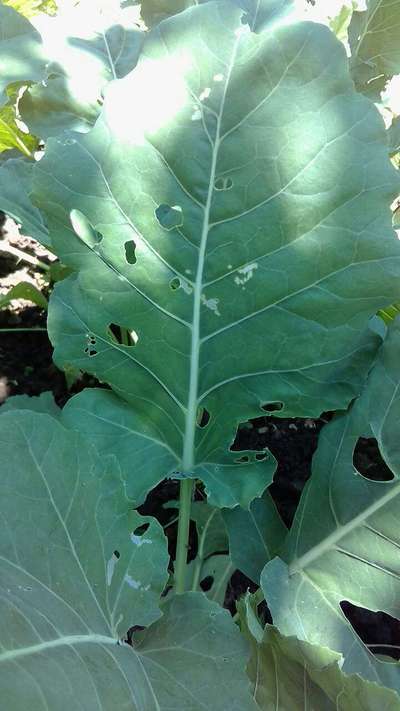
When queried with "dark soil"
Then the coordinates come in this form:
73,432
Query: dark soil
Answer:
26,367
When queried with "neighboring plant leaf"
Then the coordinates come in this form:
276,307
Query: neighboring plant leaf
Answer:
21,50
88,50
53,108
43,403
255,536
211,560
290,675
11,135
339,24
15,189
208,258
344,541
374,37
393,134
29,8
23,290
67,597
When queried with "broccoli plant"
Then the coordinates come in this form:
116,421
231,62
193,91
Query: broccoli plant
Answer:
219,188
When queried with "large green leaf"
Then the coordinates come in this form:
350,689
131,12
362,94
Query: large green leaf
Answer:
255,536
374,37
15,189
344,542
242,238
77,571
289,675
21,51
87,49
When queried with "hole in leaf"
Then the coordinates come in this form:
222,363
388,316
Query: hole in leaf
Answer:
203,417
379,631
368,461
206,583
261,456
223,184
175,283
123,336
140,530
272,406
169,217
245,458
90,349
117,554
130,248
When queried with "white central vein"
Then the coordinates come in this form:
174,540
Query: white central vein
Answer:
331,541
190,428
66,641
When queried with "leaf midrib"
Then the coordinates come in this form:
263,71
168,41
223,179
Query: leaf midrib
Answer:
191,413
299,564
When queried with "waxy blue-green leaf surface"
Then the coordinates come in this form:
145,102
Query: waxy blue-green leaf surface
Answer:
230,211
21,52
374,36
87,49
290,675
15,190
78,568
255,536
344,542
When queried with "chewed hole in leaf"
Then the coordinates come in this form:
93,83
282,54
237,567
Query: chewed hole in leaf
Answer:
379,631
223,184
367,460
206,583
123,336
169,216
130,249
203,417
261,456
90,349
242,460
272,406
175,283
140,530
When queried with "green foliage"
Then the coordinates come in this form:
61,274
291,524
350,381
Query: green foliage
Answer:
344,541
21,49
77,571
240,328
23,290
219,196
11,133
374,37
255,535
29,8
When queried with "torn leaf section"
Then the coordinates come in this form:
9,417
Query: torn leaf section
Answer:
169,217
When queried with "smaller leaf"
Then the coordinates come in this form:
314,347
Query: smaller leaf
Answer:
43,403
292,675
23,290
15,189
255,536
12,136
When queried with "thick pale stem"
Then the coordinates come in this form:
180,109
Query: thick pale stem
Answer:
4,247
185,503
